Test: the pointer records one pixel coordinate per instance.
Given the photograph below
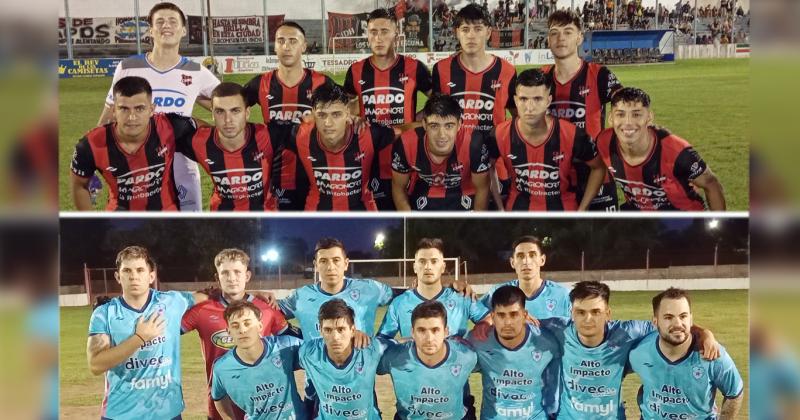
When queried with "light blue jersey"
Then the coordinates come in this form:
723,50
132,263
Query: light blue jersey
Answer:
591,377
460,309
685,388
148,384
364,296
551,300
519,383
266,389
345,392
425,392
43,328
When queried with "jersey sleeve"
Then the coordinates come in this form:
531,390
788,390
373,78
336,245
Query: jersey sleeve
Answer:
209,82
185,298
348,82
399,159
689,165
218,391
424,83
381,136
608,83
117,75
490,139
436,86
82,163
551,391
477,310
251,90
478,153
385,293
555,326
725,376
190,320
390,324
583,147
98,323
184,129
288,305
638,330
486,299
279,324
292,347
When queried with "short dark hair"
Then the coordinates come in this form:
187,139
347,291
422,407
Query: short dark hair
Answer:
533,78
132,85
165,6
442,105
671,293
226,89
328,243
589,290
528,239
133,252
381,13
507,296
238,307
564,18
431,243
429,309
630,95
472,13
329,93
292,24
335,309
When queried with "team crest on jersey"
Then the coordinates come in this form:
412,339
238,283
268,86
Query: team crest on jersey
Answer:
360,368
583,91
270,97
558,156
451,305
159,308
309,92
277,361
361,82
550,304
451,84
659,179
496,84
209,161
186,79
512,157
111,169
537,355
455,369
355,294
258,156
360,156
697,372
311,158
457,166
403,78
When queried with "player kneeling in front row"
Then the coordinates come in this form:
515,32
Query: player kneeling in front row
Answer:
429,373
442,165
676,382
258,374
343,376
656,169
538,151
519,363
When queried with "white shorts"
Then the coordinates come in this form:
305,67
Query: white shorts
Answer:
187,178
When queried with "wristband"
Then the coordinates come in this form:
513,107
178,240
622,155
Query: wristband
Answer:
140,337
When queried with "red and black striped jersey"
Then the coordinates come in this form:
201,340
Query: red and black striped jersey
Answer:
285,105
339,180
241,177
540,174
582,100
483,96
387,97
446,185
141,180
660,182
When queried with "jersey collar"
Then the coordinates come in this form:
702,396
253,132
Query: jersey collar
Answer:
146,304
424,299
346,285
537,292
521,344
682,358
260,358
446,355
346,362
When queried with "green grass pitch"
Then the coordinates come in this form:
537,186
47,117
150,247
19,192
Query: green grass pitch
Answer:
703,101
724,312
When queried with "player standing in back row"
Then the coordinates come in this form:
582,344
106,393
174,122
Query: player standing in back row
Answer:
580,92
386,86
284,95
482,83
177,82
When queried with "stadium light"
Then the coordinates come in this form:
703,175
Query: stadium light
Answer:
380,238
713,224
271,255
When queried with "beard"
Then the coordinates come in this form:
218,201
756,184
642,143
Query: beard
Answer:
669,338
